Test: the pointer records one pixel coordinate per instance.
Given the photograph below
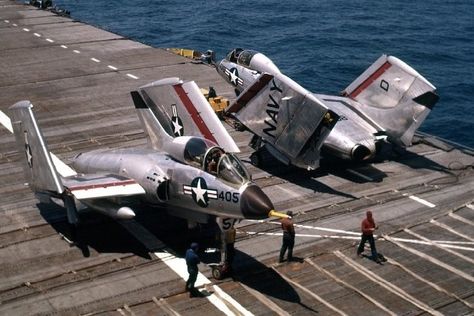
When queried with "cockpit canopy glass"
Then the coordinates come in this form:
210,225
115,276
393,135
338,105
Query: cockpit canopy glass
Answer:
231,169
245,57
234,54
195,150
225,166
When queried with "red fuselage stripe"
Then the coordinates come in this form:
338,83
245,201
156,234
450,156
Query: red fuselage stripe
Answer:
193,112
371,79
102,185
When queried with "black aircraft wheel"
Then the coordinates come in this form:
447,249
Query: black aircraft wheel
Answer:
255,158
217,273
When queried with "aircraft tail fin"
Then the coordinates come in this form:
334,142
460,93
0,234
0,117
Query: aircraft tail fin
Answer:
157,135
38,165
395,97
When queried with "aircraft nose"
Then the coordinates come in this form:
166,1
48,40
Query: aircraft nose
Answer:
255,204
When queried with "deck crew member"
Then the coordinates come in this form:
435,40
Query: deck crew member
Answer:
367,227
192,261
288,236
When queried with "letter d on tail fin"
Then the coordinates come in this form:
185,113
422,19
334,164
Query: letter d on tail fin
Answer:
394,96
38,165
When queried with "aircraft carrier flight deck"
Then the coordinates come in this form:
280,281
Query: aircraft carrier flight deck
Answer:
79,79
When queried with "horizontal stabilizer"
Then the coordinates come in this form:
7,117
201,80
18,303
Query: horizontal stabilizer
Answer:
94,186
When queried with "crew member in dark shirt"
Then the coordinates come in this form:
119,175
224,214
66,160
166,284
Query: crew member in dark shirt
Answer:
192,261
367,227
288,237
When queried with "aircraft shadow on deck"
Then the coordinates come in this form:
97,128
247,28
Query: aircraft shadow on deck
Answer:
106,235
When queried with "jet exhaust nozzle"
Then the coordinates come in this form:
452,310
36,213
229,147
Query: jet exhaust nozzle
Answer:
361,152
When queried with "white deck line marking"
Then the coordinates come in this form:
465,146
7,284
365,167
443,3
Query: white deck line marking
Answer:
310,293
49,40
457,254
470,206
112,67
266,301
121,312
132,76
363,176
444,244
387,285
76,51
96,60
63,46
313,227
6,21
6,122
432,260
26,30
462,219
450,229
367,297
417,199
37,35
164,305
433,285
14,24
219,299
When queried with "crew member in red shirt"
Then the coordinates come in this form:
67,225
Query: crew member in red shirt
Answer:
368,226
288,237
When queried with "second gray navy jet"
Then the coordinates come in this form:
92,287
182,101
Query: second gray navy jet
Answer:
386,103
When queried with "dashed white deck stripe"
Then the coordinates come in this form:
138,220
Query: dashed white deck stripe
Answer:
450,229
462,219
132,76
431,259
129,310
112,67
470,206
76,51
387,285
164,305
63,46
95,60
310,293
266,301
50,40
37,35
26,30
219,298
14,24
457,254
363,176
6,21
367,297
433,285
419,200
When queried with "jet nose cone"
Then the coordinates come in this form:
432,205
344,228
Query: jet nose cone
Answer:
255,204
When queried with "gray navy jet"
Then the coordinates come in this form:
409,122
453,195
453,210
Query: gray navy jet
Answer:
386,103
188,166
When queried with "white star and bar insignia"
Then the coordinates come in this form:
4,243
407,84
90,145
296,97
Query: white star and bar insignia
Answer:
199,191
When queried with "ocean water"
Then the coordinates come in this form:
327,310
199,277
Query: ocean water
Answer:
322,44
